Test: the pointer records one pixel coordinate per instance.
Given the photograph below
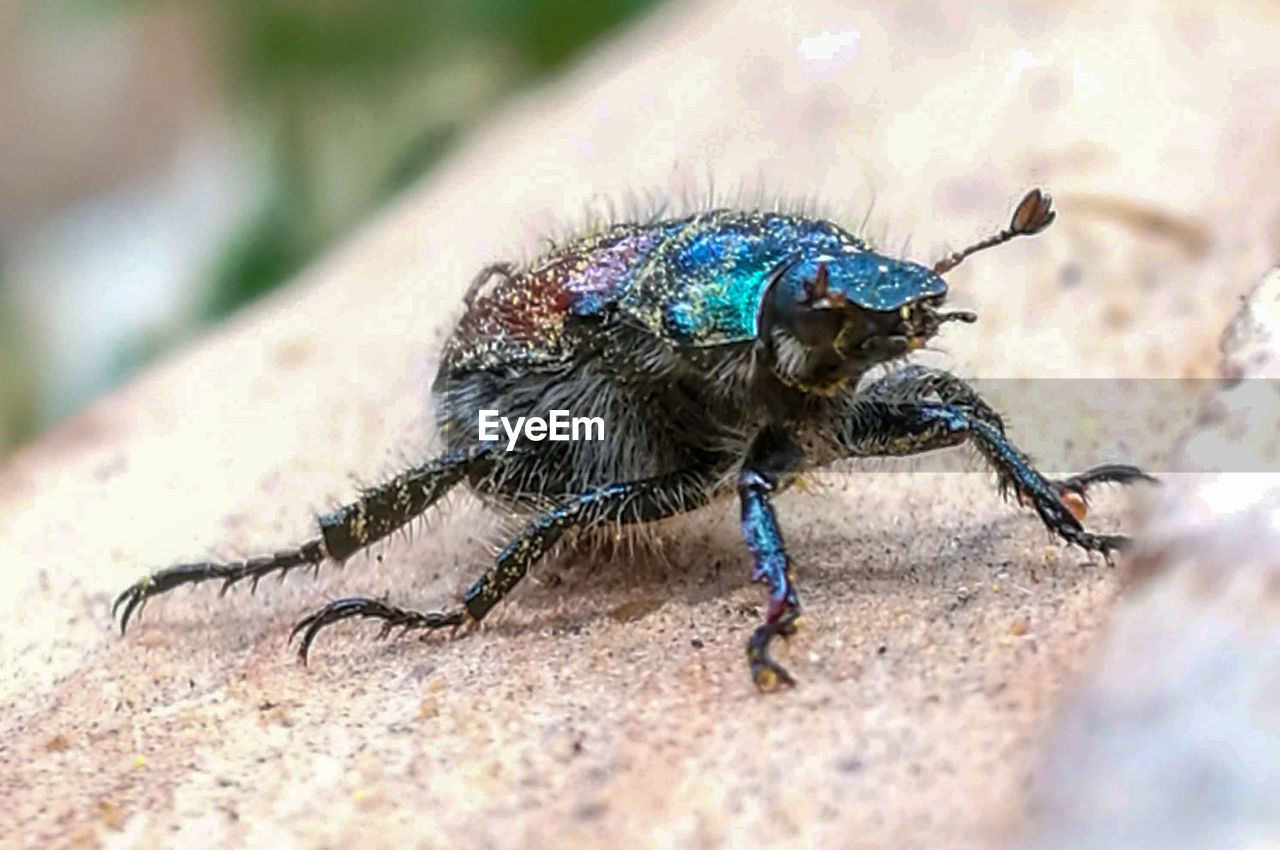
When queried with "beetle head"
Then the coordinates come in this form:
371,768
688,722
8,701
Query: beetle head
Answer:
826,319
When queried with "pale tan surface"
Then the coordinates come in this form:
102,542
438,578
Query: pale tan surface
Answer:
564,722
1171,737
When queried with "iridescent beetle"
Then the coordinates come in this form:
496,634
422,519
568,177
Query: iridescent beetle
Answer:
725,348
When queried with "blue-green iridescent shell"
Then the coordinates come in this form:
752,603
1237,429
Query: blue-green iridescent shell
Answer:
691,282
701,283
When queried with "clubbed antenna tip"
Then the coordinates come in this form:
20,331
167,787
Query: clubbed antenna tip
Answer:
1033,214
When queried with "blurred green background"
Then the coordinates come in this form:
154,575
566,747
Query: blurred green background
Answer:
162,162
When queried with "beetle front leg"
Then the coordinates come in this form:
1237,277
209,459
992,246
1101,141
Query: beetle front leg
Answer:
875,427
772,454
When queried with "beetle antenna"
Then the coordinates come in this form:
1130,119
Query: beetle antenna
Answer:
1033,214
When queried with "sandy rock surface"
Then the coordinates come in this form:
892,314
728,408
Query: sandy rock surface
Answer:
608,704
1171,738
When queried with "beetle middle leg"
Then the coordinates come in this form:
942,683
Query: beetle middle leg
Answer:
924,409
623,503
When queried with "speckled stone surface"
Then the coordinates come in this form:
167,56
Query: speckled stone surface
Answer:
1171,736
608,705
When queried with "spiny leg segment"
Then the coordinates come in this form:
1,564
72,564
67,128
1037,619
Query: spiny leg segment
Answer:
311,553
912,416
378,512
623,503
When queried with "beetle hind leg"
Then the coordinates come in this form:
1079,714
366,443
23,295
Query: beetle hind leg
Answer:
379,511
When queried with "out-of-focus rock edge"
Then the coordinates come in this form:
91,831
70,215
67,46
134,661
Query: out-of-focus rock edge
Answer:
1172,737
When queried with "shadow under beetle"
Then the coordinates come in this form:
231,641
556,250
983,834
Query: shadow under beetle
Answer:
723,350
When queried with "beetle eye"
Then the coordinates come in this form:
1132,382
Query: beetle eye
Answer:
816,325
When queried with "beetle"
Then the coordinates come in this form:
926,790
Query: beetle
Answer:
725,351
